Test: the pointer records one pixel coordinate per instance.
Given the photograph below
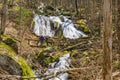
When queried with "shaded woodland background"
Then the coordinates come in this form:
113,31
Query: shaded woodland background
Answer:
91,56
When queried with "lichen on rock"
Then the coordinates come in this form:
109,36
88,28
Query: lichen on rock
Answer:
8,51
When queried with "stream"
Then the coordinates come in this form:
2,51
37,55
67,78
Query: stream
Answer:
43,27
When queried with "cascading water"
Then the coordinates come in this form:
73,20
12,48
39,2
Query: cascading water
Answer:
69,31
61,64
42,27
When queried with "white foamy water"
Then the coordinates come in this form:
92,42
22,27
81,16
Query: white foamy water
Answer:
69,31
42,27
62,64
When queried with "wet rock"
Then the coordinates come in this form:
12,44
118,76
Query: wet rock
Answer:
10,66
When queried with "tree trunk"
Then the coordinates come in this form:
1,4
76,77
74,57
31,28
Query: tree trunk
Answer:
107,40
76,7
4,13
118,29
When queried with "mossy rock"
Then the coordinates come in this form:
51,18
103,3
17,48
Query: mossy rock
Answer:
83,25
8,51
43,57
10,41
47,56
7,64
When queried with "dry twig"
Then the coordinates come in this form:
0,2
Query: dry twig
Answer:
45,76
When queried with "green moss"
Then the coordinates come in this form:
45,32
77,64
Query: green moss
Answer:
0,5
45,58
5,37
26,70
26,16
93,52
48,60
39,13
116,64
82,24
32,23
74,52
10,41
44,44
8,49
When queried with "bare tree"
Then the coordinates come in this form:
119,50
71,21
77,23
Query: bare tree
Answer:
118,28
76,6
4,13
107,40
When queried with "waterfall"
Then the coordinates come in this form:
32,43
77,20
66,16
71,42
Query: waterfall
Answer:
69,30
61,64
42,26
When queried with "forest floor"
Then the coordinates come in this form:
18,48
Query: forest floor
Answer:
86,53
88,56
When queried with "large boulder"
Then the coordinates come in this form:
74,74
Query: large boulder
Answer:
13,64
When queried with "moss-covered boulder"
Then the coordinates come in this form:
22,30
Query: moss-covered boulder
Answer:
82,24
9,52
9,66
10,41
49,55
43,57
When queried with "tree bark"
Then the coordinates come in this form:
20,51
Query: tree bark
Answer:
4,13
118,30
76,7
107,40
